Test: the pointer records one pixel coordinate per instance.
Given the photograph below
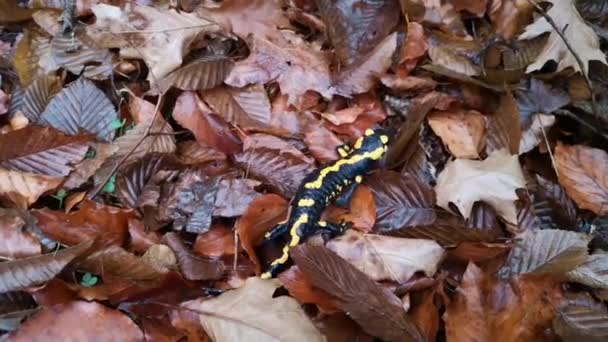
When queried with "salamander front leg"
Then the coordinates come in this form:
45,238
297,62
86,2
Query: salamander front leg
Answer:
277,265
278,230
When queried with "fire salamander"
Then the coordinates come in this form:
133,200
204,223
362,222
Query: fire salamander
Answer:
322,187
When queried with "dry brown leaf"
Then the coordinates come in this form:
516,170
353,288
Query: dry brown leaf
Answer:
581,37
160,37
510,16
16,241
388,258
504,128
23,189
462,131
258,316
493,181
297,67
593,272
582,173
87,168
454,54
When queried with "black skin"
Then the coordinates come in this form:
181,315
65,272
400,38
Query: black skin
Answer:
320,188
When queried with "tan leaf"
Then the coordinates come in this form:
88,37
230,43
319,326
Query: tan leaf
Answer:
593,272
462,132
504,128
454,54
160,37
16,241
581,37
388,258
23,189
297,67
582,173
257,317
494,181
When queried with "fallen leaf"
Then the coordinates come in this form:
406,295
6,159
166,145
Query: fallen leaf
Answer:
201,73
504,128
141,239
539,97
581,37
485,309
16,240
81,107
362,77
43,151
218,241
535,134
95,321
510,17
453,53
436,13
22,189
35,270
592,272
361,211
10,12
477,8
377,310
38,95
92,220
193,267
15,307
301,289
88,167
129,30
552,207
234,195
409,83
493,181
322,143
191,152
415,45
355,28
388,258
462,132
258,316
546,251
297,67
582,320
580,170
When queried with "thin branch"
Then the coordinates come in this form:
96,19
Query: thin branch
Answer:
164,30
578,59
542,128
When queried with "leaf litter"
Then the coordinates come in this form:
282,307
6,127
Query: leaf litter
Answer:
146,149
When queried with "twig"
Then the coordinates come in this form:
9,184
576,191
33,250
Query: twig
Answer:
578,59
163,31
542,128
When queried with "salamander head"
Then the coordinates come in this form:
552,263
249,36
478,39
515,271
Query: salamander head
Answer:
374,142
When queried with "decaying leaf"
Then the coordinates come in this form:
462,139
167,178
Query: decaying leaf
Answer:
581,173
388,258
14,307
192,266
493,181
38,95
35,270
546,251
199,74
257,316
160,38
592,272
504,128
581,37
377,310
582,320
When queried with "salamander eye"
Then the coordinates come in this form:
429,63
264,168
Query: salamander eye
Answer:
369,132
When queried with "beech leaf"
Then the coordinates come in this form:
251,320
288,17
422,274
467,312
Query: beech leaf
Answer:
36,270
592,272
202,73
582,321
377,310
38,95
23,189
546,251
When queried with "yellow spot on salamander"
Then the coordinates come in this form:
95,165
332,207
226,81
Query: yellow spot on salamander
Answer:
266,275
358,179
322,224
295,239
306,202
373,155
342,152
384,139
369,132
358,143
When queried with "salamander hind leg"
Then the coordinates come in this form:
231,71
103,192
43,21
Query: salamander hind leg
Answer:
330,230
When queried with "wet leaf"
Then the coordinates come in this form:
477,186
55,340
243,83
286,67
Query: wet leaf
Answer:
36,270
376,309
218,241
22,189
15,306
259,316
388,258
32,56
95,321
580,170
233,196
546,251
43,151
81,107
92,220
493,181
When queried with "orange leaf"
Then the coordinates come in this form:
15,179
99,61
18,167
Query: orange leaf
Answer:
305,292
361,211
218,241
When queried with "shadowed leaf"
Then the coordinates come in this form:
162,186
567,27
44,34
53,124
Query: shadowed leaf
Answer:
199,74
582,320
375,308
592,272
36,270
16,241
38,95
193,267
14,307
23,189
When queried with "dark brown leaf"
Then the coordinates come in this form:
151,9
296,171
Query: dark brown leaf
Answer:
191,152
376,309
199,74
42,150
356,26
504,129
553,208
81,107
401,201
36,270
582,320
14,307
193,267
